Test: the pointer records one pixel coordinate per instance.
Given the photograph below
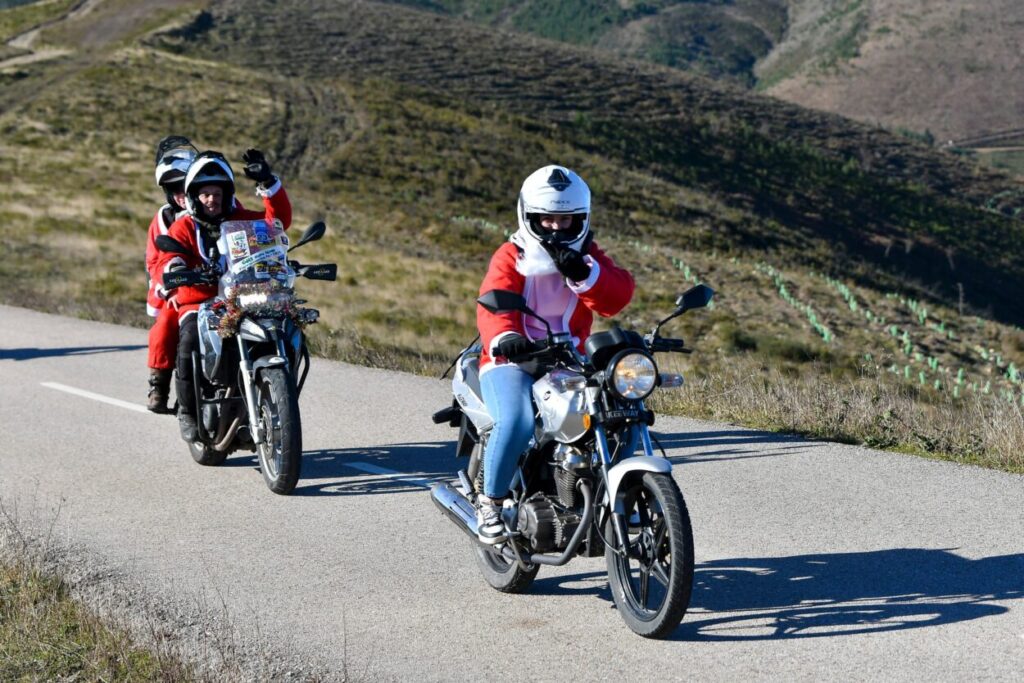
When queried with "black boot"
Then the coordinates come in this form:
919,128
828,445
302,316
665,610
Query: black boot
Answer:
187,424
159,390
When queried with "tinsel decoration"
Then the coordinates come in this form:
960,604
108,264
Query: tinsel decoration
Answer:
231,311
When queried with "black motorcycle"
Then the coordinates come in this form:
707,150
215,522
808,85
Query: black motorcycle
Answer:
247,392
580,489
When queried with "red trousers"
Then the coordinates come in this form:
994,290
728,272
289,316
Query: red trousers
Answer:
163,339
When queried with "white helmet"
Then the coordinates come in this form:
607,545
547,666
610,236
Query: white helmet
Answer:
209,168
171,171
173,167
558,191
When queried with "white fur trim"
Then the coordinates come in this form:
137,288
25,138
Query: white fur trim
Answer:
270,191
177,260
534,259
492,350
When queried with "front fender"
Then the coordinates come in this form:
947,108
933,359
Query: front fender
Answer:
631,467
265,362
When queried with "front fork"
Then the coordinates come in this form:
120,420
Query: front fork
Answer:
604,451
249,383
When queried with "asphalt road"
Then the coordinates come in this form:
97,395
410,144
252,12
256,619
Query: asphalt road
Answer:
813,560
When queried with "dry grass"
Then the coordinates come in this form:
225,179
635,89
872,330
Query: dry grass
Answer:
46,634
870,410
24,17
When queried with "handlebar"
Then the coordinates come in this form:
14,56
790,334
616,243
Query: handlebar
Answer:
545,349
665,345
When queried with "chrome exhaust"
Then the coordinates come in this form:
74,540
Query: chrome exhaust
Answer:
455,506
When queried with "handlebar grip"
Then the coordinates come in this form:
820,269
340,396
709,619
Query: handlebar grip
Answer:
538,348
668,345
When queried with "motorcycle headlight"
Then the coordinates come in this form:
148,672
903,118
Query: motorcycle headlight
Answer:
633,376
253,300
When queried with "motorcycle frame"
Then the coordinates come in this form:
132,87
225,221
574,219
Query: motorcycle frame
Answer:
611,476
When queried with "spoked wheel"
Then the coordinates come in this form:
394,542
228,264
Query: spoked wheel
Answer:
652,586
501,574
280,451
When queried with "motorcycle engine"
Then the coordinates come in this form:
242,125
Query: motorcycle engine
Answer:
546,526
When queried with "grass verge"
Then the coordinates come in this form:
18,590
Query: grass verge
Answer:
46,635
869,410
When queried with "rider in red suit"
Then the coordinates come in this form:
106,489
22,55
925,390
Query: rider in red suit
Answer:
210,200
553,262
174,155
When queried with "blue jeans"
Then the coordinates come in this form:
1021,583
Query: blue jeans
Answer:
506,393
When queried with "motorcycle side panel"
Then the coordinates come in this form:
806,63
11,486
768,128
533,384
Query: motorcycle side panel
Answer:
470,402
561,413
209,343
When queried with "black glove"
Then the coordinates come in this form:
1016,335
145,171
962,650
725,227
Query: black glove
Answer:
514,345
256,168
569,262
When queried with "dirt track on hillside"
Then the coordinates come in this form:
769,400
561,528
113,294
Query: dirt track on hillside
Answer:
80,37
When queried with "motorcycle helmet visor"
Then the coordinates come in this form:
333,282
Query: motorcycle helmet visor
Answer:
559,236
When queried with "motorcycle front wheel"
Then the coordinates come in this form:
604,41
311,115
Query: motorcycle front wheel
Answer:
280,450
651,587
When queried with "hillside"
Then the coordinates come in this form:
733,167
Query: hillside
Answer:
939,68
826,193
719,39
842,254
950,68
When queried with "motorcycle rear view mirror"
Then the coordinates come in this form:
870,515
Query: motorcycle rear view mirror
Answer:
170,245
504,301
695,297
311,234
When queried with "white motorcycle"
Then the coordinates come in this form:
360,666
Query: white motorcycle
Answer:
581,488
247,392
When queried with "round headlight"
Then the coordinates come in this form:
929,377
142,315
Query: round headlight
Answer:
634,376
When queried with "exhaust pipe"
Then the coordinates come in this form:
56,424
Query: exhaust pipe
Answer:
455,506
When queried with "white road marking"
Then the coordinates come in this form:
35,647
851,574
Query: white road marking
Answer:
390,474
96,397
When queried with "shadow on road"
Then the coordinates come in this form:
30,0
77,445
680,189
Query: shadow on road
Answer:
807,596
417,464
739,444
840,594
33,353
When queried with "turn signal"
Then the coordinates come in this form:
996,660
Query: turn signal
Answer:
670,380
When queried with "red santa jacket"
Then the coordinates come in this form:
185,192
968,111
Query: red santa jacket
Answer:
161,222
606,292
187,232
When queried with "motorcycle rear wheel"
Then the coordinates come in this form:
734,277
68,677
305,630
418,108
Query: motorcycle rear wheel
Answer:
206,455
502,575
652,592
280,452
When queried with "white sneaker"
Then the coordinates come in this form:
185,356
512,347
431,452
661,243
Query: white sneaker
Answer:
490,529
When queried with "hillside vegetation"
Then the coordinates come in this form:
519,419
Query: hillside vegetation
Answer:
949,68
869,288
937,68
720,39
